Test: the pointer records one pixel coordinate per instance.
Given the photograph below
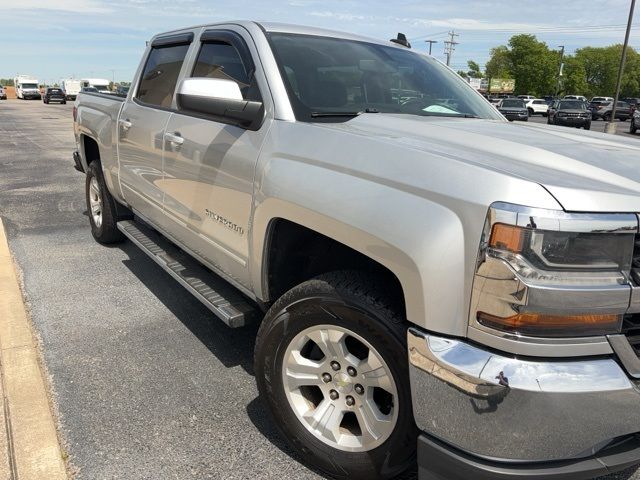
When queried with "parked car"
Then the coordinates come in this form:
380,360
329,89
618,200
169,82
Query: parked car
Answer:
601,99
526,98
430,281
575,97
514,109
122,91
54,94
570,113
631,100
623,112
3,93
537,106
635,122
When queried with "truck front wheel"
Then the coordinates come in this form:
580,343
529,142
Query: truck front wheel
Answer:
101,207
331,364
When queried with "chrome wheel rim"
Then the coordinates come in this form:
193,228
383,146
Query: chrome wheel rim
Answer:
340,388
95,202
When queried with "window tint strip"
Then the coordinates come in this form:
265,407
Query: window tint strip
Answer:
178,39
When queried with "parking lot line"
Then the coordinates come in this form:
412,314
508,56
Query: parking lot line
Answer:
28,439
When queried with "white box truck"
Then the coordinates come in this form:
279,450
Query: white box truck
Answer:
100,84
26,87
71,87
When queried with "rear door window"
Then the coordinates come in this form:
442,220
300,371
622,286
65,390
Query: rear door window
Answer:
160,75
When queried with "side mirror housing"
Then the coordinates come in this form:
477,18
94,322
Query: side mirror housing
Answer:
219,98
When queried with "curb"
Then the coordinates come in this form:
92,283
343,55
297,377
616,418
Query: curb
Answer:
29,448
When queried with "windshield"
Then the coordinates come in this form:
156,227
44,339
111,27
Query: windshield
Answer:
102,88
326,77
572,105
28,85
513,103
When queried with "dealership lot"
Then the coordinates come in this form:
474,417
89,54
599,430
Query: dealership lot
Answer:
147,383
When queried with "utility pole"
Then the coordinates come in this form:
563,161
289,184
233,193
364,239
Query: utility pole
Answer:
450,45
430,42
559,70
611,126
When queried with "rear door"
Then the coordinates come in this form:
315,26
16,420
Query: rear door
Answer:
208,182
142,122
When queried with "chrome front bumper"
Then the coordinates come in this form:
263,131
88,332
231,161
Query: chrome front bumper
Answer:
513,410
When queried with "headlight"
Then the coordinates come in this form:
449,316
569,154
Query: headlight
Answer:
562,114
553,274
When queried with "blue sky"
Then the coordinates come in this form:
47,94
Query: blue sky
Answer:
100,38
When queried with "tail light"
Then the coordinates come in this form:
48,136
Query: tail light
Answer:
75,113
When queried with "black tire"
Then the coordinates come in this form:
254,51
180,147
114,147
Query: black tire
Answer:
64,102
632,126
587,126
364,309
531,112
107,232
606,117
548,120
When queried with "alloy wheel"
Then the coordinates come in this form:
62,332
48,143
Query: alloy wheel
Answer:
340,388
95,202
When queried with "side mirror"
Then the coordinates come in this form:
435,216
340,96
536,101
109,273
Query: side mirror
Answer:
220,98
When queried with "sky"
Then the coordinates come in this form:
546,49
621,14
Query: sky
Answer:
105,39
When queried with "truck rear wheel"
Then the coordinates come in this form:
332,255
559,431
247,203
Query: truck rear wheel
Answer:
101,207
331,364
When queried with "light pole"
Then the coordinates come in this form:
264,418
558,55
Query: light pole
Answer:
610,127
559,70
430,42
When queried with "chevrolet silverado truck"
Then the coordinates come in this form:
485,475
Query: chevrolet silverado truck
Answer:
432,282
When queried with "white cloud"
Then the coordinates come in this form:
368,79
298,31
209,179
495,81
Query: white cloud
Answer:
77,6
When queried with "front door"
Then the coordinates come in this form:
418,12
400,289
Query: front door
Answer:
141,126
209,165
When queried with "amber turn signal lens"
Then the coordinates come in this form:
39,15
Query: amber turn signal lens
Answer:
507,237
543,325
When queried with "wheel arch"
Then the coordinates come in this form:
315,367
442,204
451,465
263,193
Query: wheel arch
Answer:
366,251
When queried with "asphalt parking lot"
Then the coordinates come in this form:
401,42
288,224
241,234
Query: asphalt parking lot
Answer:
147,384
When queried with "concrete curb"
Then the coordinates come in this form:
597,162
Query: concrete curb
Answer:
29,447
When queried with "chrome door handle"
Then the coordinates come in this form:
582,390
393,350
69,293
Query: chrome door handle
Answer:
174,139
125,124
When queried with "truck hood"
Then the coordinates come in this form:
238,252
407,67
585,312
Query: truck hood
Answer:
583,170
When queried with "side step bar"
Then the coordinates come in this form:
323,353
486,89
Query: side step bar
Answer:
217,295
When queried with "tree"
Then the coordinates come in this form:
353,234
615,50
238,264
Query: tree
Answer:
474,70
6,82
533,65
499,65
574,79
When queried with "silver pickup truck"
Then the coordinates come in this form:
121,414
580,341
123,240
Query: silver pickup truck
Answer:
432,281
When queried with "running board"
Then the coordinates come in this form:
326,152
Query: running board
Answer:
217,295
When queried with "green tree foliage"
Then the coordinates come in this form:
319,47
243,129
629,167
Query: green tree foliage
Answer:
533,65
6,82
499,65
591,71
574,78
594,70
474,69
